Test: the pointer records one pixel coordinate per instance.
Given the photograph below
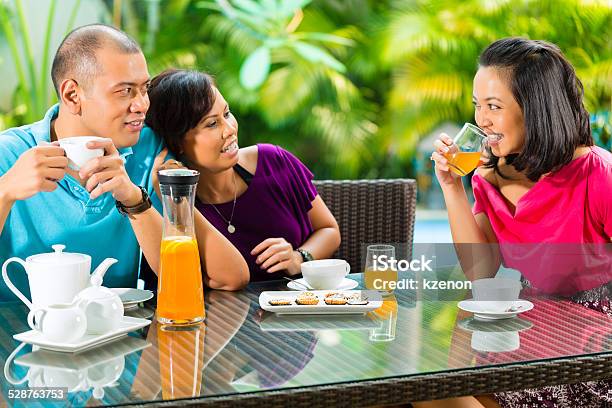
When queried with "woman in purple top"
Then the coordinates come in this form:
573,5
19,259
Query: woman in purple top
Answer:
260,197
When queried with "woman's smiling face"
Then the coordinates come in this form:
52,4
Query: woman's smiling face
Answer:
497,112
213,143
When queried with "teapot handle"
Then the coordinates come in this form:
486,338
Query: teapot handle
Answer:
10,285
7,367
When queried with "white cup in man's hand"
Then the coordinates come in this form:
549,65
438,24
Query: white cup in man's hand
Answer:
77,151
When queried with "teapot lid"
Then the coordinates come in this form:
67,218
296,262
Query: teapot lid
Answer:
96,292
59,257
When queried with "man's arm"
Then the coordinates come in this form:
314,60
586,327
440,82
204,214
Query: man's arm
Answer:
107,174
37,169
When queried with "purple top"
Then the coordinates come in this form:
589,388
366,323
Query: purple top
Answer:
275,205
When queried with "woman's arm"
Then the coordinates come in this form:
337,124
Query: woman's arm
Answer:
473,236
222,263
325,239
276,254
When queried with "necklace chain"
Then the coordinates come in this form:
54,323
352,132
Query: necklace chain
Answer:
230,228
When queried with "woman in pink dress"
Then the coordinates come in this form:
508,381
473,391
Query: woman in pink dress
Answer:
543,200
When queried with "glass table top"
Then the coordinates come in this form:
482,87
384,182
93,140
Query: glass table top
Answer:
241,348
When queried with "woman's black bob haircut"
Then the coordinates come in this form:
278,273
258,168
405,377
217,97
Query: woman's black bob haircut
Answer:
179,100
546,88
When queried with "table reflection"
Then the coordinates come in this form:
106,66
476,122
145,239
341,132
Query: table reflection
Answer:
181,359
94,370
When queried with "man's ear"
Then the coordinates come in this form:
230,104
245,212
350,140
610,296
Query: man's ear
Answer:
70,95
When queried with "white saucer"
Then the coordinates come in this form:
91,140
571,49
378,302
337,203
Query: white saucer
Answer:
132,297
481,313
88,341
346,284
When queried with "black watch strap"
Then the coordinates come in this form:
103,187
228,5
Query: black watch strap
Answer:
143,206
306,256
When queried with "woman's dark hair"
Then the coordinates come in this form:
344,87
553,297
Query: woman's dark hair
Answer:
179,99
546,88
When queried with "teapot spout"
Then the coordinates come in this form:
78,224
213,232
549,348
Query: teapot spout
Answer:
98,274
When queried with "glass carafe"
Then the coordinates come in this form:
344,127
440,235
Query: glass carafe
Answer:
180,293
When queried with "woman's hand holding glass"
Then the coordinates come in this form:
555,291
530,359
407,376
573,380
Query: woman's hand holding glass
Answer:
444,145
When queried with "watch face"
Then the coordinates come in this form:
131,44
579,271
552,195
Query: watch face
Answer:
305,255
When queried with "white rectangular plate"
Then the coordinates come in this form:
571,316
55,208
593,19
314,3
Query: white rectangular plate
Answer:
88,341
374,302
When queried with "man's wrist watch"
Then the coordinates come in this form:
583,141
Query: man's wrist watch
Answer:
143,206
306,256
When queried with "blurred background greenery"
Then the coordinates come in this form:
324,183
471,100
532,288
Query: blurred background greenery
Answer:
350,86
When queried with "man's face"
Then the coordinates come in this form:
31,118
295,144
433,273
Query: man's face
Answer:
115,102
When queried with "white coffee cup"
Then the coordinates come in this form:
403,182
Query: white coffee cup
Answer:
325,273
77,151
60,322
499,293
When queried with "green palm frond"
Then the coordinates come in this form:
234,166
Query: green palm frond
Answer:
287,93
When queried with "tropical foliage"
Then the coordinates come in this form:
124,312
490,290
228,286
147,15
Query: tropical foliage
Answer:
351,86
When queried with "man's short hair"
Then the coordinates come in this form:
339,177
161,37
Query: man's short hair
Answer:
76,56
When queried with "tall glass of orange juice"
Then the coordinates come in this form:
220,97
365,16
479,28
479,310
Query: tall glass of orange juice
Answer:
180,293
464,154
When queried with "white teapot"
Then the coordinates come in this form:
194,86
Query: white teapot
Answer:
55,277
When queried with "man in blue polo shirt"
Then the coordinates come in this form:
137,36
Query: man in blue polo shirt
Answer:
101,79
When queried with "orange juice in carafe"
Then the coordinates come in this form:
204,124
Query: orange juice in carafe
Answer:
180,291
180,294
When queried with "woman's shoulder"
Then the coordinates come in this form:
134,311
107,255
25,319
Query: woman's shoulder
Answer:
487,174
600,166
248,158
601,158
276,157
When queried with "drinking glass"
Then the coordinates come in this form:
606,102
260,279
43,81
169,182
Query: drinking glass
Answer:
464,154
376,275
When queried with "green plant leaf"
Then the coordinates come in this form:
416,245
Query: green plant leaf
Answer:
255,68
288,7
248,6
315,55
323,37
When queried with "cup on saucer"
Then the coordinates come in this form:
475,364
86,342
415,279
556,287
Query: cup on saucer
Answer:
325,273
498,293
